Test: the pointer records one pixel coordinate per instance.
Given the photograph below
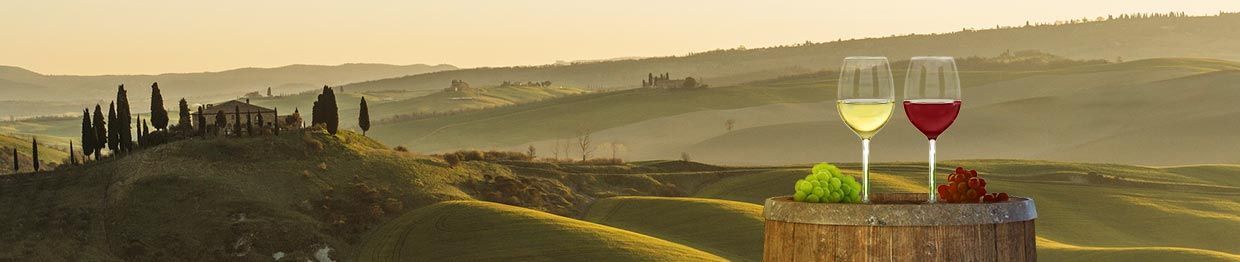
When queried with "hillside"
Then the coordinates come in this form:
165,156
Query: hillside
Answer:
1072,112
388,104
1129,39
726,228
307,195
23,85
478,231
49,157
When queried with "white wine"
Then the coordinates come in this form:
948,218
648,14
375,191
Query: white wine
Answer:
865,116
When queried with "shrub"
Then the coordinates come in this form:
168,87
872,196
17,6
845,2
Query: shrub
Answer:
452,159
603,161
402,149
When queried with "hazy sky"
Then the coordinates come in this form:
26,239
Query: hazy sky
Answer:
147,36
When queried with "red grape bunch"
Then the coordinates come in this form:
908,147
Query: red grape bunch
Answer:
966,187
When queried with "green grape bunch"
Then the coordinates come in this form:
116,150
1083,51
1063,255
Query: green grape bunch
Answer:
827,185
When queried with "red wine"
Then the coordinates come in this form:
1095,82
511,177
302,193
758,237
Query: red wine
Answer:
932,116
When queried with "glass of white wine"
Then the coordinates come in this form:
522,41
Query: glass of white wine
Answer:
866,97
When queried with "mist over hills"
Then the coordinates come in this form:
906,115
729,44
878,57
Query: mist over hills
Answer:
1126,39
21,84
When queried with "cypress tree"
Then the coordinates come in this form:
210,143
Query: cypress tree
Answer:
34,153
326,112
249,123
363,117
72,159
141,139
16,165
146,131
237,120
221,121
101,132
125,119
202,122
275,123
186,121
88,135
114,139
159,115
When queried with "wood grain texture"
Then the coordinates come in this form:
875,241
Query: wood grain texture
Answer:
1007,241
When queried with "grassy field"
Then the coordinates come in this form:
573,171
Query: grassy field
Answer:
474,230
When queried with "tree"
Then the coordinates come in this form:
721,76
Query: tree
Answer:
221,121
202,122
34,153
72,158
583,143
531,152
124,117
690,83
363,117
88,135
186,120
141,136
159,115
101,132
325,110
16,165
275,123
261,122
268,91
114,138
249,123
236,121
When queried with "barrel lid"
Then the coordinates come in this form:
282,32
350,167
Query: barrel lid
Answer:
899,209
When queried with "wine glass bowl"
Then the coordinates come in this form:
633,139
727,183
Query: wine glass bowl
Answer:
865,100
932,101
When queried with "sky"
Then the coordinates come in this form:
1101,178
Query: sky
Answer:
91,37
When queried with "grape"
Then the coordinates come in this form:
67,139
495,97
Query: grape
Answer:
846,189
818,191
812,198
823,176
836,197
811,177
825,168
799,196
804,186
835,183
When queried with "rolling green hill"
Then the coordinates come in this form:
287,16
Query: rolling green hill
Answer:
1130,39
304,195
1090,113
729,229
49,157
473,230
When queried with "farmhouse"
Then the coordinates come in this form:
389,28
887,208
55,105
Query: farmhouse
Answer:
235,112
665,81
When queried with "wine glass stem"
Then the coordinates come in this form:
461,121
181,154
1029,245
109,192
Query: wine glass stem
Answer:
933,198
865,170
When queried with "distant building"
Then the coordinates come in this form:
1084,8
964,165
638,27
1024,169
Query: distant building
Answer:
231,107
665,81
459,86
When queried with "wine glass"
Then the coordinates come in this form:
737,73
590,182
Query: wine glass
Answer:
932,99
865,101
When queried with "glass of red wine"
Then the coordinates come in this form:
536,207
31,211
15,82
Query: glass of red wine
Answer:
932,100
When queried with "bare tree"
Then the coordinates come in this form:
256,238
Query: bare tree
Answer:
555,150
583,143
531,152
731,123
616,147
684,156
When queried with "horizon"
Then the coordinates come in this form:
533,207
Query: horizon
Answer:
210,41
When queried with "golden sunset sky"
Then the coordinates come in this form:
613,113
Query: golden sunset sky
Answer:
146,36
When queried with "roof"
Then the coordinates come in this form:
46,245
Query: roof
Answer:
232,106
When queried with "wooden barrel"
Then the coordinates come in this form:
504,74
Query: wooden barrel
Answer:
899,227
